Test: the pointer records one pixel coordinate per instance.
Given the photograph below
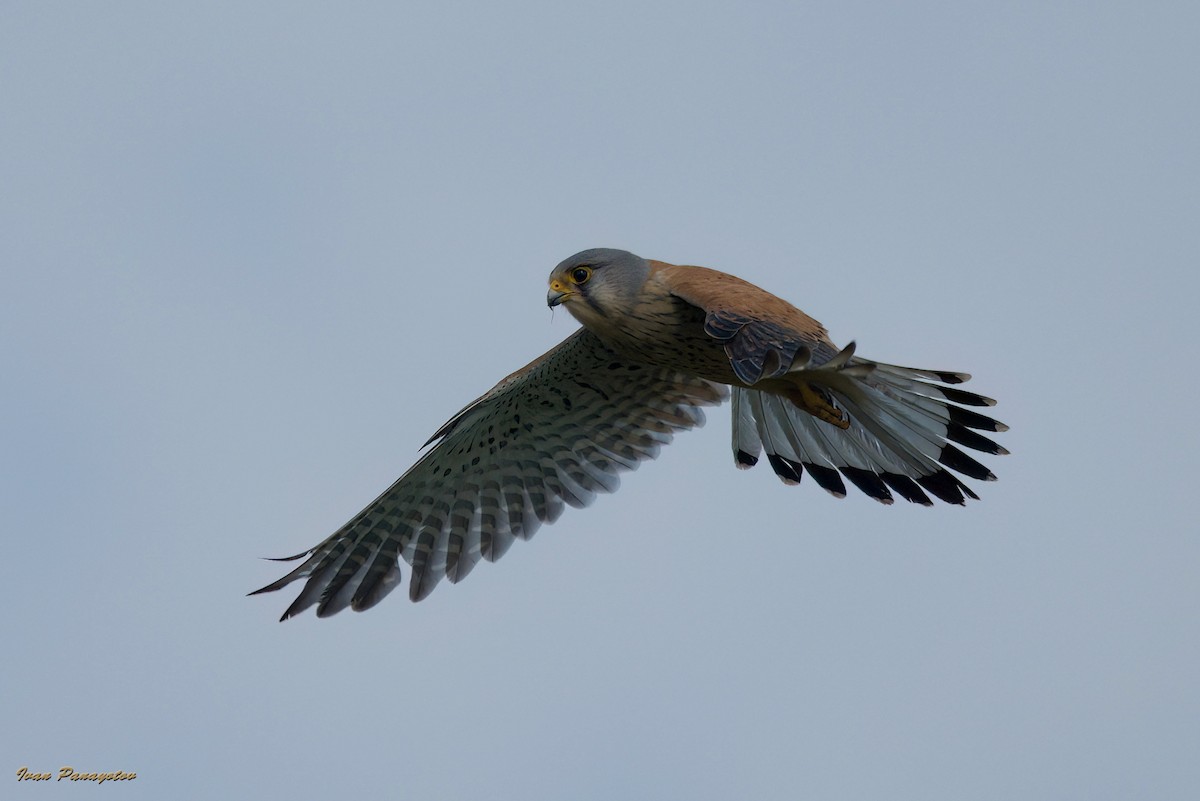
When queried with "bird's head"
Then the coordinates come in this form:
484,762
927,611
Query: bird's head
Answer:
598,284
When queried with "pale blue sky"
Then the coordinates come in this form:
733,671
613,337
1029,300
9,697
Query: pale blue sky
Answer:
253,256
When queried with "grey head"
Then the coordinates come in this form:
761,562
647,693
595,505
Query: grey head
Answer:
598,284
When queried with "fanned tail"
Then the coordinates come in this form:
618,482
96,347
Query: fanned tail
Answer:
903,424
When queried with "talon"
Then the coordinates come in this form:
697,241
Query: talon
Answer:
819,406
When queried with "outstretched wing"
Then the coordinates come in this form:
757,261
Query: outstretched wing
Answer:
552,434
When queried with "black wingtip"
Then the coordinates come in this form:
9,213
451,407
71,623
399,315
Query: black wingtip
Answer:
787,470
970,419
946,487
288,558
294,609
745,460
956,432
278,584
956,460
906,488
871,484
827,479
966,398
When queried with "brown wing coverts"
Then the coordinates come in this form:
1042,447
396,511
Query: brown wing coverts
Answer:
762,334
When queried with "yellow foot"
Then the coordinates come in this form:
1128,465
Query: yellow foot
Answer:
818,406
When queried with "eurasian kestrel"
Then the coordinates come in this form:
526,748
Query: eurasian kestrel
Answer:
659,341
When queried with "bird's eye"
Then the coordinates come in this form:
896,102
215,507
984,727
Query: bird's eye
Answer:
580,275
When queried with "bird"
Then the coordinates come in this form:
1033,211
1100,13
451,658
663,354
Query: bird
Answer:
658,344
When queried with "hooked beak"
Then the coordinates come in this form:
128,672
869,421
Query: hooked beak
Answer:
558,294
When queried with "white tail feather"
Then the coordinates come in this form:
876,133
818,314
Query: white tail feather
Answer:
900,423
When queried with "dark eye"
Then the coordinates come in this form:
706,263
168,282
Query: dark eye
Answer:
580,275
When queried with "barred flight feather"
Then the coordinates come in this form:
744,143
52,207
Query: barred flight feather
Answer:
502,467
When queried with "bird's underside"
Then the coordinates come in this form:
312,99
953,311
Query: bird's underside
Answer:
659,343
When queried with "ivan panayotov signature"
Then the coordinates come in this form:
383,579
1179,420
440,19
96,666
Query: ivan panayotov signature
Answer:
24,774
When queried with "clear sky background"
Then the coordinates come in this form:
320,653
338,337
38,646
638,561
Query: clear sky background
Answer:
254,255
